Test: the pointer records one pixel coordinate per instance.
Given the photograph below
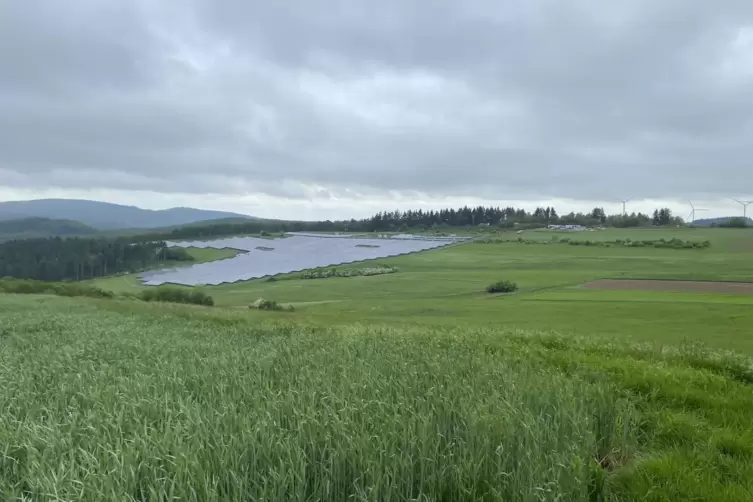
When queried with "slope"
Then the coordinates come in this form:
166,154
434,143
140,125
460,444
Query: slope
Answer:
105,215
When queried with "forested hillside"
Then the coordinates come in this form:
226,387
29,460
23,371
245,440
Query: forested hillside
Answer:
58,259
29,228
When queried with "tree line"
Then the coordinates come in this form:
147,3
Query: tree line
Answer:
60,259
395,221
510,217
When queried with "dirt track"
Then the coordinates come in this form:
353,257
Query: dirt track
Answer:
742,288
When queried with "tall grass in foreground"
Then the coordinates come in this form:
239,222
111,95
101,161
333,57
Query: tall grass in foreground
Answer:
99,405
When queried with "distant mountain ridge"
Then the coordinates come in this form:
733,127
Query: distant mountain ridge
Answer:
108,216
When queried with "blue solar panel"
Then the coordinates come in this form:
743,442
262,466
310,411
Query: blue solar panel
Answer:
294,253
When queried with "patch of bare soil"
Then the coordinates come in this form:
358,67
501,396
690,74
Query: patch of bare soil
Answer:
741,288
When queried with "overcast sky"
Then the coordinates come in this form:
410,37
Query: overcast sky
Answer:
326,109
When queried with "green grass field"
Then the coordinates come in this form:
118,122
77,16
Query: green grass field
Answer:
446,287
415,385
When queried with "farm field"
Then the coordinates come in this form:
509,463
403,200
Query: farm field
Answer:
120,400
414,385
446,287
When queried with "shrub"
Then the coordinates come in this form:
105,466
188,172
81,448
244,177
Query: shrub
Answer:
502,287
262,304
176,295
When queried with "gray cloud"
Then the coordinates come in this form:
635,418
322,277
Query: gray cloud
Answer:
501,100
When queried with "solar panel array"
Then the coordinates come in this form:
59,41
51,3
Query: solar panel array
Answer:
297,252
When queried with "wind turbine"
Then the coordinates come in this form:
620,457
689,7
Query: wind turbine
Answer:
745,204
624,213
692,213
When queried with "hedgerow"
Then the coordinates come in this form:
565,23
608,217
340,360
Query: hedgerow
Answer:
176,295
323,273
673,243
32,287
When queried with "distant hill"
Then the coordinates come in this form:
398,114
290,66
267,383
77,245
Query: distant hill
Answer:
107,216
709,222
29,228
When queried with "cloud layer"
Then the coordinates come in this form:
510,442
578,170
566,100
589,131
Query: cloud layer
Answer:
348,99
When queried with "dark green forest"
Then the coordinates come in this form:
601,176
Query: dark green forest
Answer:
32,228
59,259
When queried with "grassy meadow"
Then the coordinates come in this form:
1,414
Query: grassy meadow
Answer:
410,386
447,287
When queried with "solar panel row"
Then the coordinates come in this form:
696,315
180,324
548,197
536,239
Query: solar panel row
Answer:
279,256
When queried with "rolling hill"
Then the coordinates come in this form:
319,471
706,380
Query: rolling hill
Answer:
108,216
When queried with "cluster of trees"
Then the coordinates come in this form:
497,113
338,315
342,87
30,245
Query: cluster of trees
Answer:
664,216
58,259
734,223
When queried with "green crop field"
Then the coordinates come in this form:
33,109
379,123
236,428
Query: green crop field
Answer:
414,385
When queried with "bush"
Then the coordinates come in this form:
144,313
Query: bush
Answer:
176,295
262,304
502,287
32,287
